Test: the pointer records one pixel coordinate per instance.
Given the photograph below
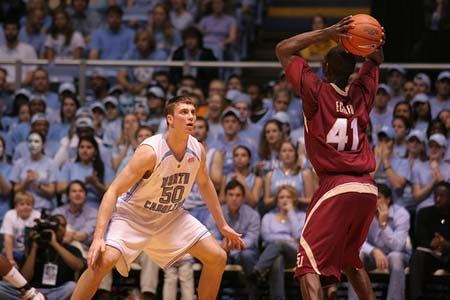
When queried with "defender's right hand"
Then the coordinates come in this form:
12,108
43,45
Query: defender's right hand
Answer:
97,248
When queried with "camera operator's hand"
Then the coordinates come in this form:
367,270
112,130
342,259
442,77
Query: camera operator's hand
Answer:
53,241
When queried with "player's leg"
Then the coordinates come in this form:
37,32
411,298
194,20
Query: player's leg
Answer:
311,287
360,282
213,258
90,279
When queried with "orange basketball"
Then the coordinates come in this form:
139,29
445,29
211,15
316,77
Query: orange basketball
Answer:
365,37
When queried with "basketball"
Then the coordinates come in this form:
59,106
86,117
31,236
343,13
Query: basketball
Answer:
365,37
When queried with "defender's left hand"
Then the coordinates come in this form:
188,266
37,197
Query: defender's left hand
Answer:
232,238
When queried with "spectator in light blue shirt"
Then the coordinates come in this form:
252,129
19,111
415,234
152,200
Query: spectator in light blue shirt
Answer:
386,246
244,219
442,98
33,32
113,41
380,115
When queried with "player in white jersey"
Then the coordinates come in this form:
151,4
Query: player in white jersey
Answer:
143,207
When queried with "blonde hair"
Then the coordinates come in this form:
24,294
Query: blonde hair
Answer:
23,197
291,190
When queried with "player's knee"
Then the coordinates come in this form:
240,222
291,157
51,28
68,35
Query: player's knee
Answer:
218,260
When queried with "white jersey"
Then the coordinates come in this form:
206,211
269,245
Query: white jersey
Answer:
149,201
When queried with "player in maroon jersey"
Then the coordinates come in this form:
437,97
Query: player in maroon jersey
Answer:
336,118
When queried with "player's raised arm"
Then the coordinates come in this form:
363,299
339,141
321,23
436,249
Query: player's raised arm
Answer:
209,194
142,161
291,46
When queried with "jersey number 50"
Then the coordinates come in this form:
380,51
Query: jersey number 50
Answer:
171,194
338,134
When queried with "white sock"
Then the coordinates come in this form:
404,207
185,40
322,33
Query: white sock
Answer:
15,278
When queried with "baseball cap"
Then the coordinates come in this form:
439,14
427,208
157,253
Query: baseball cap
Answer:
115,88
84,122
386,88
98,105
23,92
156,91
83,111
281,116
398,69
232,111
67,87
38,97
439,138
417,134
99,72
38,117
424,78
241,98
443,75
421,97
112,100
387,131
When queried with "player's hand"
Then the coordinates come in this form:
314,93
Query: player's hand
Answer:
338,30
97,248
232,239
378,55
381,260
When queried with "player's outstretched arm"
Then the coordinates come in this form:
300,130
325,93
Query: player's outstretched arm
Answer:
142,161
208,193
291,46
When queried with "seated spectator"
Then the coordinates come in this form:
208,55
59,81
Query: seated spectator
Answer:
216,104
280,232
442,98
136,79
33,33
166,36
50,266
380,114
426,174
251,182
433,241
20,112
180,17
112,122
113,34
41,86
69,107
289,173
403,109
156,103
81,218
89,168
317,51
234,82
13,227
84,19
5,185
14,49
269,147
243,219
422,83
193,50
11,275
401,128
99,86
421,112
259,114
62,41
395,78
124,147
36,174
385,247
408,91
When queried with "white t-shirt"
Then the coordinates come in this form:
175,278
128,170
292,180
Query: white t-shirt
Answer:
61,50
15,226
22,51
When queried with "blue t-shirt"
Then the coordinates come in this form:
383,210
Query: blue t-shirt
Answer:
112,45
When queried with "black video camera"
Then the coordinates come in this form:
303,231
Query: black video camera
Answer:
43,227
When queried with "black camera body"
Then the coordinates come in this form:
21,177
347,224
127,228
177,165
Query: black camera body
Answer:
43,227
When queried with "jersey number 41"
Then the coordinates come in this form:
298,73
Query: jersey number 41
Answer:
338,134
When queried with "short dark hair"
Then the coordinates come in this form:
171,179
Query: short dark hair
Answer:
232,184
170,105
11,21
79,182
340,62
442,183
193,32
384,190
202,119
114,9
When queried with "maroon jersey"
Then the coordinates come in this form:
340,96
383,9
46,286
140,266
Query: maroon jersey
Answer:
335,120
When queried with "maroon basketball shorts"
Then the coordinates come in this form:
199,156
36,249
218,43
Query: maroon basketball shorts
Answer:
336,226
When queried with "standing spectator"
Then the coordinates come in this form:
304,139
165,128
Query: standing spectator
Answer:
408,91
442,98
62,41
13,227
269,146
84,19
124,147
41,86
193,50
112,122
113,34
37,173
395,80
385,247
242,218
317,51
403,109
380,115
33,33
433,240
80,217
167,37
422,83
401,127
136,79
280,232
216,103
421,112
426,174
14,49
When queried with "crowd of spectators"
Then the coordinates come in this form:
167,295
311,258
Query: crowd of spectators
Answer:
59,153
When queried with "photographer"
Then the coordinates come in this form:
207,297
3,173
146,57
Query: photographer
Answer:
50,264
